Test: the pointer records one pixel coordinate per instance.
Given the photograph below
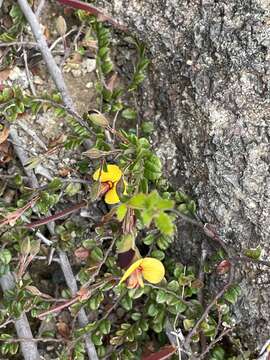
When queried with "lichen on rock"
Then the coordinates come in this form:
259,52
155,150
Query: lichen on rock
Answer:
209,83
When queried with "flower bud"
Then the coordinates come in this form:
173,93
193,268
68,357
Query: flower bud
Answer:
61,26
99,119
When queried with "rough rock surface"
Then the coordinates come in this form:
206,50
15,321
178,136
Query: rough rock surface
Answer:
209,95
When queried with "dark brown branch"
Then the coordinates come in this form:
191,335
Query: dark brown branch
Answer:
56,216
214,342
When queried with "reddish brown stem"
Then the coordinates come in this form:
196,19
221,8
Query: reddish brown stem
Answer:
76,4
56,216
59,307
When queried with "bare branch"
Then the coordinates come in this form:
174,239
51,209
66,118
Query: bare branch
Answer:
83,320
215,298
40,8
214,342
47,56
23,157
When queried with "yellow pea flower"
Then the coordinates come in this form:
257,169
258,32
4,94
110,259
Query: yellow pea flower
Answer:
109,180
150,269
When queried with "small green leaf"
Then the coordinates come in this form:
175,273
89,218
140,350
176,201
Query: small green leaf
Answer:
72,189
55,184
147,217
152,168
97,339
129,114
25,246
162,243
164,223
5,256
157,327
253,253
105,326
232,294
136,316
152,310
136,293
147,127
89,243
165,204
192,207
137,201
97,254
149,239
218,353
107,67
126,303
188,324
161,297
84,330
173,286
121,212
125,243
158,254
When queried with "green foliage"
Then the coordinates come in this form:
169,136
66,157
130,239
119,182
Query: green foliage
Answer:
5,258
140,66
253,253
18,23
152,208
218,353
104,62
232,294
125,320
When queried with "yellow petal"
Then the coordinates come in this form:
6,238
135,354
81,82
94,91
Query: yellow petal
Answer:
152,270
113,174
130,270
111,196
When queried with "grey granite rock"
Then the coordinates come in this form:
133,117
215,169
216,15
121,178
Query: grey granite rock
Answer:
208,92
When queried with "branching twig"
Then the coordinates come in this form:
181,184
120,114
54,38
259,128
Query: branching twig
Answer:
83,320
56,216
32,133
68,110
23,157
201,290
19,43
28,347
216,297
33,340
58,40
8,321
40,8
169,292
214,342
47,56
28,75
100,265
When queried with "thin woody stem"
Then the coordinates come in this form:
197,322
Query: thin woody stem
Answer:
56,216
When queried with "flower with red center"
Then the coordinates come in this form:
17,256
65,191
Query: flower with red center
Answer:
148,268
108,182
